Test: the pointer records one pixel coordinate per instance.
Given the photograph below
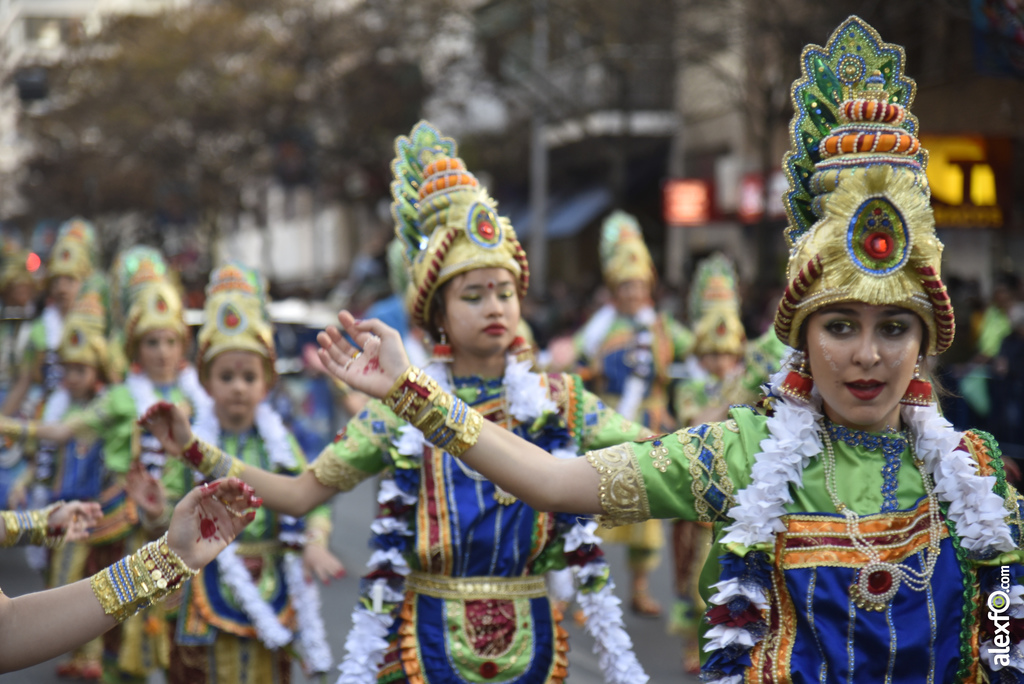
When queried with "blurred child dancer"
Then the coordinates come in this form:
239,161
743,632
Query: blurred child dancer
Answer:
239,613
155,337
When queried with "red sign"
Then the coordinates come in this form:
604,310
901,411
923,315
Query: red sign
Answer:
686,201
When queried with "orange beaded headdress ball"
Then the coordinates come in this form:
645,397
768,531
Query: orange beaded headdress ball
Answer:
860,219
446,220
236,318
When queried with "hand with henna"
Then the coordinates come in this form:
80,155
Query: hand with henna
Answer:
75,519
146,491
373,366
169,424
209,518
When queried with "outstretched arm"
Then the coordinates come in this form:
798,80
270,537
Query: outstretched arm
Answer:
286,494
42,625
544,482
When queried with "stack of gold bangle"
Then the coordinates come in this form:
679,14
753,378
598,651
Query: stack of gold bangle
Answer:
446,421
136,581
211,461
35,523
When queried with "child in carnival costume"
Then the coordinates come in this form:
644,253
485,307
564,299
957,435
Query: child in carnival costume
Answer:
239,614
455,590
71,261
18,288
155,337
75,469
857,533
724,370
626,349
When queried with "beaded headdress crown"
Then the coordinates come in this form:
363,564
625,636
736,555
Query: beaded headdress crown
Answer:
15,268
624,255
446,220
860,220
715,308
84,339
145,297
74,251
236,317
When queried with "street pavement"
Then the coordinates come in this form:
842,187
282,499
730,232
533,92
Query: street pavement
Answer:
659,652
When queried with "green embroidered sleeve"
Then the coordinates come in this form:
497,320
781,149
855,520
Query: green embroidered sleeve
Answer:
682,337
360,450
32,357
691,474
110,417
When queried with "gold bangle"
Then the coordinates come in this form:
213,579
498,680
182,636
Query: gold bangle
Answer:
446,421
137,580
211,461
35,523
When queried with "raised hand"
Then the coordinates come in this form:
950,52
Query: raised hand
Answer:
209,518
374,369
319,562
75,519
146,491
169,424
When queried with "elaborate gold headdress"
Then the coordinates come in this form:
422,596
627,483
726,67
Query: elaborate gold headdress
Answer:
236,318
16,269
446,219
146,296
715,308
860,220
624,254
84,339
74,250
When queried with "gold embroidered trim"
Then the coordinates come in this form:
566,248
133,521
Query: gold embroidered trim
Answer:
332,471
476,588
622,489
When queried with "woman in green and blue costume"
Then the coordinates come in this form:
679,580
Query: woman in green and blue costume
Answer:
858,536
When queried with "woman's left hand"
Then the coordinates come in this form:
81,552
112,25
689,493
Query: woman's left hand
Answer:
209,518
319,562
75,519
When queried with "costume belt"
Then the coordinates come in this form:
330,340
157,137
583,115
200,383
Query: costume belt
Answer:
476,588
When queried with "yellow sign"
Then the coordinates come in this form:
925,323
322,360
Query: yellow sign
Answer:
963,182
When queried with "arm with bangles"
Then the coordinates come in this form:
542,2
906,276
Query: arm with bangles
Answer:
382,370
39,626
294,496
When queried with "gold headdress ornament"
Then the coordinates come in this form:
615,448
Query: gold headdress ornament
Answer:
860,220
84,339
624,255
446,219
17,268
74,251
715,308
236,318
146,296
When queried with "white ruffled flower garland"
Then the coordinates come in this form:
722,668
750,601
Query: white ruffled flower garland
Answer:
53,327
304,596
974,508
528,399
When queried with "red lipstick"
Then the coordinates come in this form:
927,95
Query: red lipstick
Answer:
865,390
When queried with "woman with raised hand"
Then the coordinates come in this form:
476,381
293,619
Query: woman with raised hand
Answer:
39,626
857,533
455,589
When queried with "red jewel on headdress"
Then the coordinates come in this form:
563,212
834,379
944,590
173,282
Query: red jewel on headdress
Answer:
231,320
879,582
74,339
488,669
161,305
720,330
486,229
65,255
879,245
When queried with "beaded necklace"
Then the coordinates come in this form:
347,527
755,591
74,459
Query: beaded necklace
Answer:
878,581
